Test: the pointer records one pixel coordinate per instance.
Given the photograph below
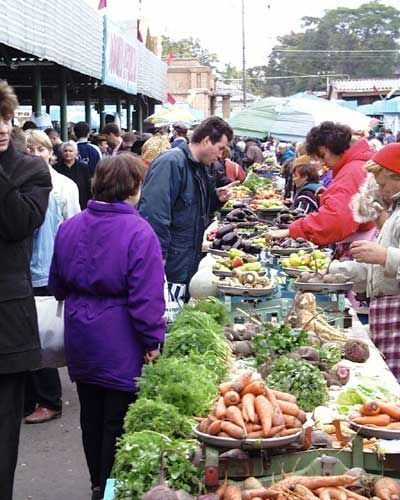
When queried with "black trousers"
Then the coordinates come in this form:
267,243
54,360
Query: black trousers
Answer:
12,388
43,387
102,416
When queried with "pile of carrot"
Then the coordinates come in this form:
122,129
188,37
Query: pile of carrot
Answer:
295,488
247,408
378,414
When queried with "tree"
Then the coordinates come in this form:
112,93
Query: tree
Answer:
371,27
188,48
230,74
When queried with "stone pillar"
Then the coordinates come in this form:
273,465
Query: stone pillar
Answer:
226,107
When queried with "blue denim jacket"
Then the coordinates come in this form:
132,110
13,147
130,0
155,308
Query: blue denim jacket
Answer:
43,244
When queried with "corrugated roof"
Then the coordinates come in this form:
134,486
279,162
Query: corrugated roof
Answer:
367,85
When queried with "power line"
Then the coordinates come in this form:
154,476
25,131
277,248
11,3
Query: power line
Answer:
340,51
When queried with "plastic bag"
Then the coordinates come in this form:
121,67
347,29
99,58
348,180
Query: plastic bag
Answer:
50,313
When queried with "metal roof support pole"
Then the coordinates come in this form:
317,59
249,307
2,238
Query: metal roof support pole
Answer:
101,109
118,105
63,105
140,114
37,89
88,107
128,113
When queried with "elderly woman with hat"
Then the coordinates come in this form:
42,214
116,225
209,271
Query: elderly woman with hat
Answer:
376,268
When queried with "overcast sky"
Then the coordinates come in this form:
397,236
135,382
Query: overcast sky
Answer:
217,23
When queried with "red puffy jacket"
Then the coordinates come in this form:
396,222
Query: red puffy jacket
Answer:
334,221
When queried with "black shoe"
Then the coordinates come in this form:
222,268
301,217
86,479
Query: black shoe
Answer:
96,493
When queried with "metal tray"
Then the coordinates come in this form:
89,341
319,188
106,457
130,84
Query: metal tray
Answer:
270,210
245,292
376,432
287,251
292,271
220,253
229,274
324,287
246,444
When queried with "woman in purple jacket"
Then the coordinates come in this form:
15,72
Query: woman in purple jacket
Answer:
108,268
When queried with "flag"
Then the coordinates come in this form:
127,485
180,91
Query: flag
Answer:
138,33
169,58
170,98
102,4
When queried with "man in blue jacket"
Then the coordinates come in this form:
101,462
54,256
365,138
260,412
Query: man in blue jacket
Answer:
178,197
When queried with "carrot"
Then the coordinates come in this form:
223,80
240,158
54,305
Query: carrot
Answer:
275,430
302,416
248,407
292,422
233,430
387,488
277,417
233,492
391,410
224,435
253,494
231,398
255,435
352,494
250,427
257,388
289,432
221,490
264,411
215,428
220,409
205,424
395,426
225,387
310,482
331,493
234,415
304,492
370,408
289,408
284,396
239,384
378,420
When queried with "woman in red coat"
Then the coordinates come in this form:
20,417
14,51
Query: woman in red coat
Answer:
333,222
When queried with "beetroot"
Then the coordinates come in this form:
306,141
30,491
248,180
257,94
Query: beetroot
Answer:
340,374
160,492
356,350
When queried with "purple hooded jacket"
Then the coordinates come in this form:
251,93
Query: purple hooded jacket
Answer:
108,267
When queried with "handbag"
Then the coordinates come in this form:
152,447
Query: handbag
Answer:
50,314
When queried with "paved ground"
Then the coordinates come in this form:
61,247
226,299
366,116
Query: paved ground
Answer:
51,462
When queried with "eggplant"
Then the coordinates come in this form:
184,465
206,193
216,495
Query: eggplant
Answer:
285,218
237,213
224,230
230,238
246,245
216,243
238,244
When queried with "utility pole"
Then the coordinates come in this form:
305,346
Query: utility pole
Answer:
244,58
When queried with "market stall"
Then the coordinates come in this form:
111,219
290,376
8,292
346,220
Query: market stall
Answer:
270,389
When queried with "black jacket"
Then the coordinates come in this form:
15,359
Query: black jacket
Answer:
178,197
25,184
80,174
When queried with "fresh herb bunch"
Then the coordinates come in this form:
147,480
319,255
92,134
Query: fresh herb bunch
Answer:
301,379
213,307
277,340
329,355
196,332
181,382
155,415
137,464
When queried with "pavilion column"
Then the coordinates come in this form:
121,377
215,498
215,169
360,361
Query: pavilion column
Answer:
63,105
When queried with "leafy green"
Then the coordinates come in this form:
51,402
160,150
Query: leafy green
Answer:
155,415
137,463
213,307
364,388
181,382
301,379
329,355
253,182
277,340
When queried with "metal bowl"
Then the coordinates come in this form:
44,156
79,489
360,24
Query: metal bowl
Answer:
229,274
245,292
287,251
323,287
220,253
246,444
376,432
292,271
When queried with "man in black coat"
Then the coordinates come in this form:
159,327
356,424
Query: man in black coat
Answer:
25,184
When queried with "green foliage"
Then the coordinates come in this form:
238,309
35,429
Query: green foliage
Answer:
301,379
213,307
137,464
372,26
189,48
155,415
181,382
277,340
329,355
253,182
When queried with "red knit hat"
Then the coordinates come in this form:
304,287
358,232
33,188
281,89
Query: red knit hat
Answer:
389,157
